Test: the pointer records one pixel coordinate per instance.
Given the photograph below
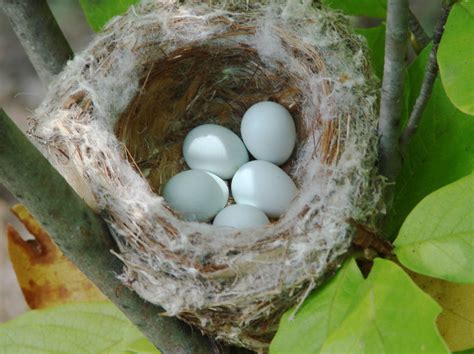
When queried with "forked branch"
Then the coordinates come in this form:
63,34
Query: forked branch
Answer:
431,72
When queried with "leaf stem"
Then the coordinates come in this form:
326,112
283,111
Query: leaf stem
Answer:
84,238
40,35
396,37
431,72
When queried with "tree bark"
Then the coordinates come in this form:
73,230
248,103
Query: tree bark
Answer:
396,37
431,72
421,38
84,238
40,35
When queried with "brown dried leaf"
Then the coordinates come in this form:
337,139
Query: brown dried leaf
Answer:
456,322
47,278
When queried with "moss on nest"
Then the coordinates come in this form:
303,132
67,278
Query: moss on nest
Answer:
115,119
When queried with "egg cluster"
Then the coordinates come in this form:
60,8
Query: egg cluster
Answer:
215,154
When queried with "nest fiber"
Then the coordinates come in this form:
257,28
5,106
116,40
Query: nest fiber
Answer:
114,122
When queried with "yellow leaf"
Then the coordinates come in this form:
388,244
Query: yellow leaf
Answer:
47,278
456,322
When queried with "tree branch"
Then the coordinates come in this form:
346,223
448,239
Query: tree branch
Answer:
421,38
83,237
40,35
431,72
396,36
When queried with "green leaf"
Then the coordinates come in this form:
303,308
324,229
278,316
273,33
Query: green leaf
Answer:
437,238
456,56
467,351
92,327
320,314
390,314
98,12
370,8
376,41
441,151
142,346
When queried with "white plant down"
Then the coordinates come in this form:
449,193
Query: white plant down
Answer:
262,272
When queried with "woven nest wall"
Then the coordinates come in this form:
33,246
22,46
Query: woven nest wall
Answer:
114,121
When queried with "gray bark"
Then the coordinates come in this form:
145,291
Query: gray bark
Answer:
40,35
431,72
422,39
396,37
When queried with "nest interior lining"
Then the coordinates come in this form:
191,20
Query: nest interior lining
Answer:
114,121
206,84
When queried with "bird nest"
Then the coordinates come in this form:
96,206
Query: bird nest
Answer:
115,119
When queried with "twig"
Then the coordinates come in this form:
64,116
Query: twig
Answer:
396,36
40,35
371,239
83,237
421,38
431,72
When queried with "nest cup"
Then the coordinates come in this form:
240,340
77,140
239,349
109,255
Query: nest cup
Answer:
114,123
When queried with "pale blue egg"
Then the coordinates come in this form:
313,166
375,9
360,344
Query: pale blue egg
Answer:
195,194
264,186
240,216
213,148
269,132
